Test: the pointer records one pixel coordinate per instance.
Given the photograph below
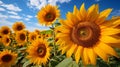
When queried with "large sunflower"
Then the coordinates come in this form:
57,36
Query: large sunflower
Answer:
39,52
32,36
7,58
21,37
18,26
5,30
48,14
6,40
87,34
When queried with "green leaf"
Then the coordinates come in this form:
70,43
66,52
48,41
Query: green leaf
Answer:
65,63
26,63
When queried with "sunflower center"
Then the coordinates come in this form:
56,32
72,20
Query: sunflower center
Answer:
49,17
6,58
22,37
5,32
7,40
19,27
41,50
33,37
0,36
85,34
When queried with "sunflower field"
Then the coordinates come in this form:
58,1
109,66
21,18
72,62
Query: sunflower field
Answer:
86,38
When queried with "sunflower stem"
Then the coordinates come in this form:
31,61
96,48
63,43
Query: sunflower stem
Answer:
54,39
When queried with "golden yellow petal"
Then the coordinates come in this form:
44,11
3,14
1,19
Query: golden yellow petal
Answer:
103,15
71,50
92,13
100,53
109,39
107,49
65,48
78,53
110,31
83,11
91,55
91,9
75,10
85,57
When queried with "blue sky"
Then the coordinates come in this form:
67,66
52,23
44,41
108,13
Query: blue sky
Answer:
12,11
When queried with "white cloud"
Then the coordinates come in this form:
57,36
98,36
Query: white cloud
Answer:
27,19
1,2
3,16
38,4
15,17
2,9
12,12
11,7
4,22
116,13
29,16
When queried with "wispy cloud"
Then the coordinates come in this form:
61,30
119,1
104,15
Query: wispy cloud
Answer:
2,9
10,7
3,16
12,12
38,4
15,17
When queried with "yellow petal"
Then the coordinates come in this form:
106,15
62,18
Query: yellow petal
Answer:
78,53
75,10
107,49
71,19
65,48
66,24
100,53
85,57
83,11
91,55
103,15
109,39
92,13
110,31
71,50
91,9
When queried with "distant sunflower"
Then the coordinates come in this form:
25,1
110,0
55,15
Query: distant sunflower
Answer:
32,36
86,34
18,26
39,52
37,31
0,38
7,58
5,30
6,40
48,14
21,36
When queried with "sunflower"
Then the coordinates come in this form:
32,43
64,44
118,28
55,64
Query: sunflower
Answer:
48,14
5,30
32,36
37,31
87,34
6,40
39,52
0,38
18,26
7,58
21,37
